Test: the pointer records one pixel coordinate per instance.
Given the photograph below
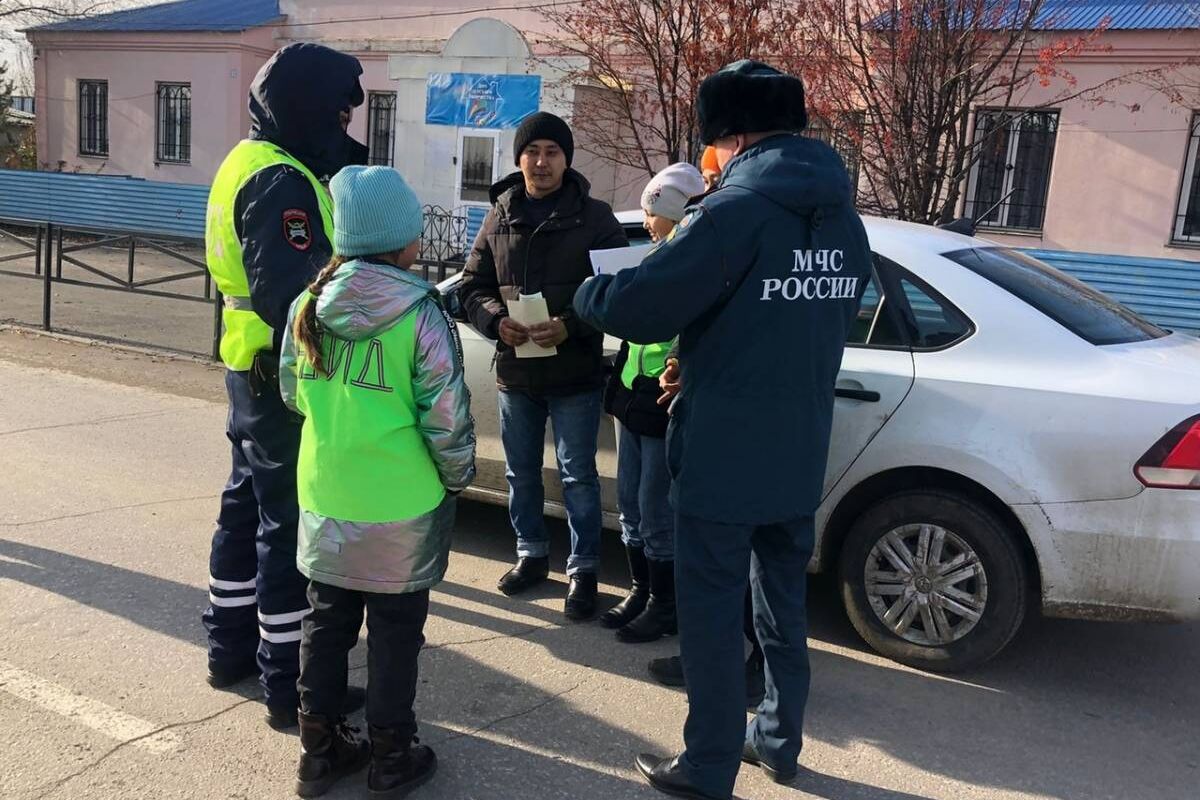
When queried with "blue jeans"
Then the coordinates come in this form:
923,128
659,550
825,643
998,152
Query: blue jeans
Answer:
576,423
643,486
712,563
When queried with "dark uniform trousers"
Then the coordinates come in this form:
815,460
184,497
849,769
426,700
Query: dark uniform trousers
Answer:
712,562
256,595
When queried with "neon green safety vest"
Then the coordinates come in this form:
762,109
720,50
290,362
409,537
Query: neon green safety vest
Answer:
362,456
649,360
245,332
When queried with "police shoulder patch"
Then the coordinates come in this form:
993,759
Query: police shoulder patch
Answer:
297,229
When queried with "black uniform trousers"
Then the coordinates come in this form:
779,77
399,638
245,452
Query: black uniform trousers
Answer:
713,562
256,594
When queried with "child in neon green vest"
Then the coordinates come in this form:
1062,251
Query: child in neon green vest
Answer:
632,397
373,363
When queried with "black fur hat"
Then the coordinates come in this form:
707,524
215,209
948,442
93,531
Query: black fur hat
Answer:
749,97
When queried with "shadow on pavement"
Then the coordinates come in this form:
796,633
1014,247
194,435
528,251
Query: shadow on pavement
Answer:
1072,710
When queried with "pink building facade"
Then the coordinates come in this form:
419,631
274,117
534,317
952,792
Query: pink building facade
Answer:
1119,176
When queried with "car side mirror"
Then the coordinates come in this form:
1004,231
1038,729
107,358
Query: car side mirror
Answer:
449,290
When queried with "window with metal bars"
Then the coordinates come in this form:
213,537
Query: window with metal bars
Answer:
845,136
1187,220
381,127
93,118
174,123
1010,181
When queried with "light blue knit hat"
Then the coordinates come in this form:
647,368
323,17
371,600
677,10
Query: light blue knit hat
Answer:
374,212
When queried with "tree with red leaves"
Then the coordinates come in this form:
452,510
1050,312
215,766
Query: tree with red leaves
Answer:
646,60
892,84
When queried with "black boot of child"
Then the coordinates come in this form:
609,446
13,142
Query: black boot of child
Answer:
399,764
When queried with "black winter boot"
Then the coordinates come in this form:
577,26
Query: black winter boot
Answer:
399,764
639,591
581,597
329,752
658,618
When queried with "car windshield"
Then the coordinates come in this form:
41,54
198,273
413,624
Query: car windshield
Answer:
1079,308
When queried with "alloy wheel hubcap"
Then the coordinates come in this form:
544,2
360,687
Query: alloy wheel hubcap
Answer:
926,584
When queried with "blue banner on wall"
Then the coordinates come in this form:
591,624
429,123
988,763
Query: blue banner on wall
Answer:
469,100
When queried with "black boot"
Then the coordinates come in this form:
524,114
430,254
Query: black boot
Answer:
329,752
658,618
528,572
581,597
285,717
399,764
668,671
229,676
639,591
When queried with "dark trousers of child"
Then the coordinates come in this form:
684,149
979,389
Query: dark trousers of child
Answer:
395,635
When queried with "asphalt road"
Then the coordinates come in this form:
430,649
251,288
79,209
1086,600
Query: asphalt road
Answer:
110,466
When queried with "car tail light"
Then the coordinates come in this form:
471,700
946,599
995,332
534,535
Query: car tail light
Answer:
1174,462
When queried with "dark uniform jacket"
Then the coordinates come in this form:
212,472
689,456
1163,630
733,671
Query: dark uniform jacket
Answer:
761,280
294,104
512,256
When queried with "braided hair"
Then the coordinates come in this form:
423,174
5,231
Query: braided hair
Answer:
308,329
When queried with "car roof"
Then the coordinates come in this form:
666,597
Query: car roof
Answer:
885,234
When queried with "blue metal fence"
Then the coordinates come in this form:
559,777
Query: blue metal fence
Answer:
1164,291
104,203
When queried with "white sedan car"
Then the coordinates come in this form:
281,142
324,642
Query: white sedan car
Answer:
1005,439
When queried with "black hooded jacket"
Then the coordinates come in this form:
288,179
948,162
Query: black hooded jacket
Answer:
295,102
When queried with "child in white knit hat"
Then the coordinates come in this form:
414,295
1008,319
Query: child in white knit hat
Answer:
647,522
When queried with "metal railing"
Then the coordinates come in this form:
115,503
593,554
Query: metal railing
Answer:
107,260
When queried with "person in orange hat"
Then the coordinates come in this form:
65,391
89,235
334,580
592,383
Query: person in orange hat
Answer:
709,168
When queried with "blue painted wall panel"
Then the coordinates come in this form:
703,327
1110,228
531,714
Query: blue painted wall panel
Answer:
105,202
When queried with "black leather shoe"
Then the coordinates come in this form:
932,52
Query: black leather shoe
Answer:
285,717
666,775
750,756
581,597
528,572
226,678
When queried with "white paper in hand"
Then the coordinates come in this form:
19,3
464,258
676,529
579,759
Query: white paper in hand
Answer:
529,310
610,262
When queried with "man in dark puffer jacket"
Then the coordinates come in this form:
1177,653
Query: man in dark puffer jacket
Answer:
536,239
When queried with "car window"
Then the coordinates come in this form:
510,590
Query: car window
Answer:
1079,308
874,325
636,234
938,324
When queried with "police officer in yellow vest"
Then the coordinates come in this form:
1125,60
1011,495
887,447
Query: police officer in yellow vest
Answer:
269,228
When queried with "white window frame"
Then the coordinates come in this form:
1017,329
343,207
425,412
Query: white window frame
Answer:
477,133
1191,164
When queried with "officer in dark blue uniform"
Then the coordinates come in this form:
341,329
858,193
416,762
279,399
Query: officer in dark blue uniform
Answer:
761,280
269,223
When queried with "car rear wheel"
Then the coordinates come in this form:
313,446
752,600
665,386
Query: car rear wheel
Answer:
933,580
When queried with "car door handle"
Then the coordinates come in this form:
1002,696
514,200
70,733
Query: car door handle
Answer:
865,395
